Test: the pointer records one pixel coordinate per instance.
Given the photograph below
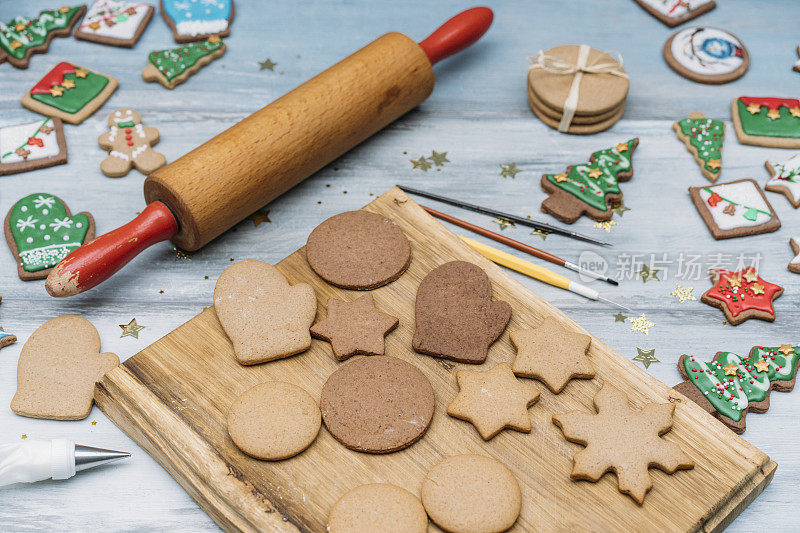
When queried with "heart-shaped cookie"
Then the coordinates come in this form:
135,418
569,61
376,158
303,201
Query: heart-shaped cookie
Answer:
57,370
41,231
264,317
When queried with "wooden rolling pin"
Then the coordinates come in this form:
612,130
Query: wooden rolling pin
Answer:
208,190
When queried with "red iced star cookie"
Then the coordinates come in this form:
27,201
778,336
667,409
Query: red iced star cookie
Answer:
742,295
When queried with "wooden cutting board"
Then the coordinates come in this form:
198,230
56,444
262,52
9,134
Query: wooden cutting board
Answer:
172,399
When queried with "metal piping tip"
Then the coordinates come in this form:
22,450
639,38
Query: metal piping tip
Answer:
89,457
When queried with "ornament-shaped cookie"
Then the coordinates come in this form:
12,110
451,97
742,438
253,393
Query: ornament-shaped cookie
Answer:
264,317
57,370
456,317
129,144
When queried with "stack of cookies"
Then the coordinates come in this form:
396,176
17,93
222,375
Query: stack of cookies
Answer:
577,89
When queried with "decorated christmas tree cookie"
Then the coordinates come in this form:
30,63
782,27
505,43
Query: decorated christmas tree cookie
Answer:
23,36
703,137
742,295
38,144
767,121
173,66
731,385
70,92
115,22
197,20
592,188
735,209
785,179
41,231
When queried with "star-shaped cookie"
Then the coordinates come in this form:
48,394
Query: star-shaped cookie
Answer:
742,295
552,354
493,400
356,327
629,457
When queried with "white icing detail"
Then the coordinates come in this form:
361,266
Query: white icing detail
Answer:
790,167
29,222
43,201
24,208
45,211
114,153
139,129
707,50
112,133
47,237
201,27
12,137
124,26
743,193
138,150
675,8
65,223
79,225
30,239
796,260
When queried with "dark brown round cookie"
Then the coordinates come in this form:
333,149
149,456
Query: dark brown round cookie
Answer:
377,404
358,250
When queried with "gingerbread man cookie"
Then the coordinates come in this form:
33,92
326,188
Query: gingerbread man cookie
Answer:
129,144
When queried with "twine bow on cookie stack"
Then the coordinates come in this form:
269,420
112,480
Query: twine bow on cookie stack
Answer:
558,66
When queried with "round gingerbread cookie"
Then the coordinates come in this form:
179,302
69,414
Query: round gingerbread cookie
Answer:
273,421
378,507
377,404
556,115
472,493
358,250
579,129
706,55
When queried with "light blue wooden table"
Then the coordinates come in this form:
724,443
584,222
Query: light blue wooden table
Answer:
479,115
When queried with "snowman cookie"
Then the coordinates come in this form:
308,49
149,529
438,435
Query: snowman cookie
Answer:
129,144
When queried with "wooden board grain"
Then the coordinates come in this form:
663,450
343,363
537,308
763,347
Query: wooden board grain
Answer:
172,398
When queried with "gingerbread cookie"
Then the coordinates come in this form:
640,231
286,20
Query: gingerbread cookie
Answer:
173,66
70,92
378,507
197,20
785,178
629,457
703,137
115,22
590,189
767,121
794,264
274,421
455,315
129,144
41,231
735,209
742,295
706,55
38,144
377,404
676,12
493,401
57,370
264,317
472,493
6,339
552,354
355,327
23,36
731,385
358,250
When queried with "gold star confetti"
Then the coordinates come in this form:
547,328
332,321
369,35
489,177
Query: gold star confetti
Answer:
259,217
19,27
56,91
504,223
560,177
619,317
421,164
649,274
735,281
757,288
621,208
68,84
714,163
786,349
267,65
606,225
622,147
595,173
94,422
439,158
24,436
730,209
131,329
761,365
81,72
795,111
14,45
773,114
541,233
751,275
214,39
646,357
63,9
730,370
754,108
509,170
683,293
641,324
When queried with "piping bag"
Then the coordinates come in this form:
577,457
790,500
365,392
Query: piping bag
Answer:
37,460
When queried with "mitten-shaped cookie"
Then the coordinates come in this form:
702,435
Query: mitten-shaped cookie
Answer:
57,370
264,317
456,317
129,145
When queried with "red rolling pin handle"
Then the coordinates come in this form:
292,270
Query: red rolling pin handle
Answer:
93,263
